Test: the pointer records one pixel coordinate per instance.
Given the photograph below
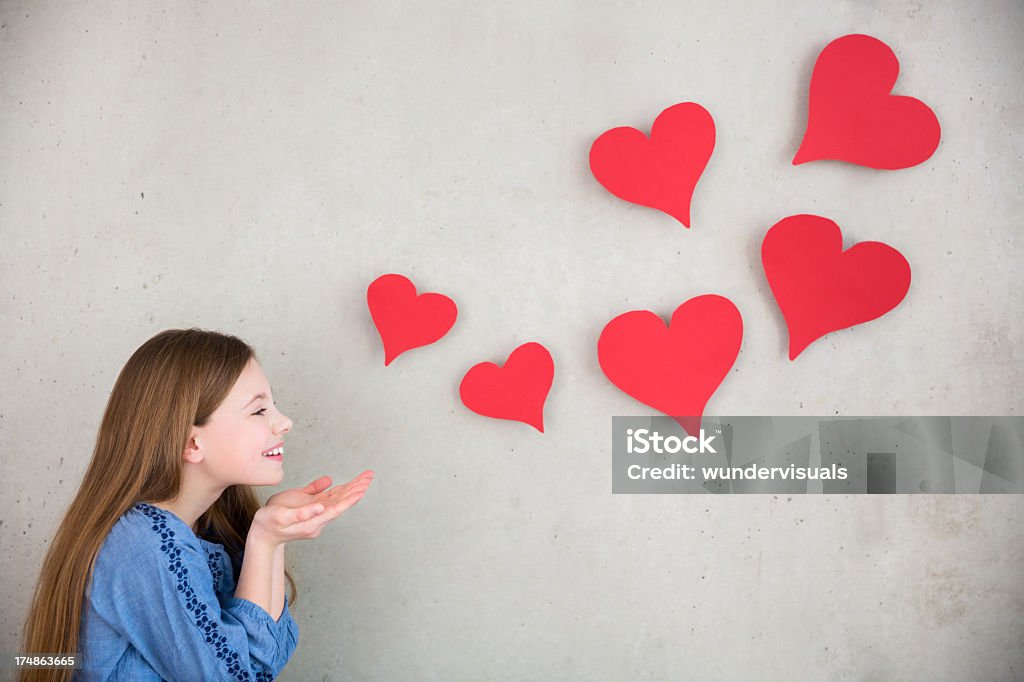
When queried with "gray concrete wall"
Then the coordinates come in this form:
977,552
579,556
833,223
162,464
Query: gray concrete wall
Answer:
252,167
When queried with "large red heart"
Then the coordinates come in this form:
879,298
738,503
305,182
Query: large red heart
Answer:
515,391
851,115
821,288
405,320
660,172
675,369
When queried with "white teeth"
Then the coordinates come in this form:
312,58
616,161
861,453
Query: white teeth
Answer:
275,451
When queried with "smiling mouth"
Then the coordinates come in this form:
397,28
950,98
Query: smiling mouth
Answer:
275,452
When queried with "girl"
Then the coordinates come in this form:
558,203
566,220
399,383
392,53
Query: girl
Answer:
165,565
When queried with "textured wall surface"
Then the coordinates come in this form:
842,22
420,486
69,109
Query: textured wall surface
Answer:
252,167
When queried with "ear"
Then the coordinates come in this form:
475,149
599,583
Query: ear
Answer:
193,453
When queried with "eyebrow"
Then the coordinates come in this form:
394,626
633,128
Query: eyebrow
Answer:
254,399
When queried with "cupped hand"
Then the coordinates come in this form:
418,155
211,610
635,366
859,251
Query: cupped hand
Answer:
301,513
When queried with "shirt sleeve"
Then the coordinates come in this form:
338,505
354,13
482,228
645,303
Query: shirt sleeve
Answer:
163,601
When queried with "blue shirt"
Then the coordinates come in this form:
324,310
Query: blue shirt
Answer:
161,606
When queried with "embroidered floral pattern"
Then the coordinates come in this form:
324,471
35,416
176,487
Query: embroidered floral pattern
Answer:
198,610
213,560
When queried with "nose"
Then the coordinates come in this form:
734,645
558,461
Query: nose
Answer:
283,423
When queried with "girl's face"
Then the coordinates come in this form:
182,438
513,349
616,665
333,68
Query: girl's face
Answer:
244,426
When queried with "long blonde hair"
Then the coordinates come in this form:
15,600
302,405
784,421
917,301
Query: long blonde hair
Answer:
173,381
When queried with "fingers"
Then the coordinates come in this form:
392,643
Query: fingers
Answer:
358,484
324,482
327,505
318,485
343,497
347,502
304,513
317,515
363,481
366,475
369,473
340,506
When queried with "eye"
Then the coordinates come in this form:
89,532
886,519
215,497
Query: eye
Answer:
260,411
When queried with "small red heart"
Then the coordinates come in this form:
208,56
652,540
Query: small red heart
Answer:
851,115
676,369
405,320
516,391
660,172
821,288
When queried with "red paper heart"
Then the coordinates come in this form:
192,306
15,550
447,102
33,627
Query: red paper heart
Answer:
676,369
516,391
405,320
660,172
851,115
821,288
